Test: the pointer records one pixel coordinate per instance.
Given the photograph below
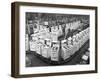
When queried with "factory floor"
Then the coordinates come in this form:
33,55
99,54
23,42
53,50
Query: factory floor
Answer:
34,61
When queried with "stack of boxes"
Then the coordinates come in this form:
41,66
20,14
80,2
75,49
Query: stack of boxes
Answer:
73,25
65,50
55,51
45,42
46,51
71,45
41,42
33,42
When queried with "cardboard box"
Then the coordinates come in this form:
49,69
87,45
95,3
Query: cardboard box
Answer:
38,48
33,45
55,51
46,51
65,50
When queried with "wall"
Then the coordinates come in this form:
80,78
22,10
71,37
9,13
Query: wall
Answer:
5,40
